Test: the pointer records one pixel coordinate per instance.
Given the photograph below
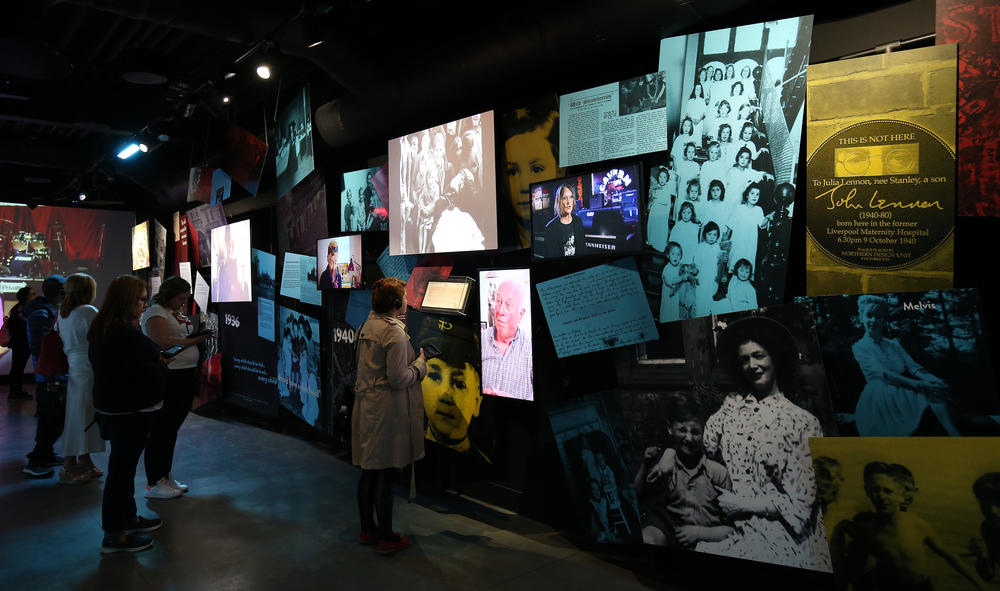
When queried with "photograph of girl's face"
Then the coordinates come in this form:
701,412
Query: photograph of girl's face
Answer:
694,191
687,128
689,153
699,92
686,212
743,272
714,152
715,193
743,160
747,133
674,255
745,73
753,196
529,160
724,109
725,134
712,236
662,178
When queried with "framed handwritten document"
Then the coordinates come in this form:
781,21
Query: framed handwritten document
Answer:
880,190
598,308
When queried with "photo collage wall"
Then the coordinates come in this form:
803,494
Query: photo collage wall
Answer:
667,200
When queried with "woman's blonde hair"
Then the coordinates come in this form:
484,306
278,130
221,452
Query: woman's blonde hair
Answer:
80,290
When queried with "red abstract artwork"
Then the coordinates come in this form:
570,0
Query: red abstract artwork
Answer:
975,26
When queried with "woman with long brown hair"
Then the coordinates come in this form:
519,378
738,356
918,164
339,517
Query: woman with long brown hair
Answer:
129,380
80,437
166,325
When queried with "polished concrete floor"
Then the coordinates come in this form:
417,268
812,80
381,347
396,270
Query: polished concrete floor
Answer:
265,511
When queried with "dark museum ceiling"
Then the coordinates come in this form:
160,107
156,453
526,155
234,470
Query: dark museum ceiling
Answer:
81,78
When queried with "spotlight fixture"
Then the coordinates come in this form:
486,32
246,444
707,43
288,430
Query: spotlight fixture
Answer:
82,196
226,100
129,151
163,137
143,148
264,71
230,75
315,44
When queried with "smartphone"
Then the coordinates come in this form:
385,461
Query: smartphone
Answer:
168,353
430,351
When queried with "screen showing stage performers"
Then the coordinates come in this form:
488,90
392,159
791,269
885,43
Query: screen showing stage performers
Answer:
36,243
231,263
361,208
505,310
294,158
442,188
588,214
340,259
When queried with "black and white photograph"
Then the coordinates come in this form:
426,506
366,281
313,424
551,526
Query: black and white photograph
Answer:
442,187
911,512
722,203
642,93
453,396
737,436
910,363
361,208
589,432
298,364
294,157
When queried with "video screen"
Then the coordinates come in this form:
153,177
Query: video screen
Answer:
231,263
294,158
340,259
505,314
588,214
140,246
361,207
442,188
36,243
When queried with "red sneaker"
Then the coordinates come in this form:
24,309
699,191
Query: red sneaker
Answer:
368,537
390,547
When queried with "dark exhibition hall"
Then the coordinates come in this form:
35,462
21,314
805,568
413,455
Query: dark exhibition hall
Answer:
681,295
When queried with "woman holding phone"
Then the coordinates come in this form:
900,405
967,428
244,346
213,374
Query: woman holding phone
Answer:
165,323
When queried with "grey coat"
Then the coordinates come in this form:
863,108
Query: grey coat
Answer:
388,420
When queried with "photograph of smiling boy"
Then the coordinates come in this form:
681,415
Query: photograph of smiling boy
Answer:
911,511
451,388
505,310
911,363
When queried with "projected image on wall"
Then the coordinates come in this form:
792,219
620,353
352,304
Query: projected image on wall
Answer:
505,310
140,246
593,213
442,188
231,263
36,243
340,259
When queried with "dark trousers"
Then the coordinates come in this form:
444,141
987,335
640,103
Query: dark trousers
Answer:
128,435
177,401
50,406
375,499
18,359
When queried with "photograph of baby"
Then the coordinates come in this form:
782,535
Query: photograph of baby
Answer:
298,364
911,512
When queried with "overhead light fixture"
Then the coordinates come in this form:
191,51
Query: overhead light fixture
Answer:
230,75
263,71
82,196
226,99
143,148
129,151
315,44
163,137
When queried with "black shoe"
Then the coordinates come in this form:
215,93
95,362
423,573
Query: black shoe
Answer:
132,542
144,525
54,460
37,470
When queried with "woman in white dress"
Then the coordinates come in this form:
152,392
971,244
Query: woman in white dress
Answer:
741,176
697,109
684,137
661,193
898,390
80,437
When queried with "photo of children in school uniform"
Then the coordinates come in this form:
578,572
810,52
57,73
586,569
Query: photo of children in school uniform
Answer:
911,512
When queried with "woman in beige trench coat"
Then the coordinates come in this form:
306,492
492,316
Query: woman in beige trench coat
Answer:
387,424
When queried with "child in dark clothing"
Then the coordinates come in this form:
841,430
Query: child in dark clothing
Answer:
987,549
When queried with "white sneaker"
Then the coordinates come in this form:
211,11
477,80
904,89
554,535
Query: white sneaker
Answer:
178,485
162,490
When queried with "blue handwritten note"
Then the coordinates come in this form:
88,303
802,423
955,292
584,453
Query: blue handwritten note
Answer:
400,266
598,308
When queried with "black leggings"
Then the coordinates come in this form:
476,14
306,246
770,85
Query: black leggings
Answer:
375,498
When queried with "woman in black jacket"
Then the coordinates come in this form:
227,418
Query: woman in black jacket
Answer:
129,374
